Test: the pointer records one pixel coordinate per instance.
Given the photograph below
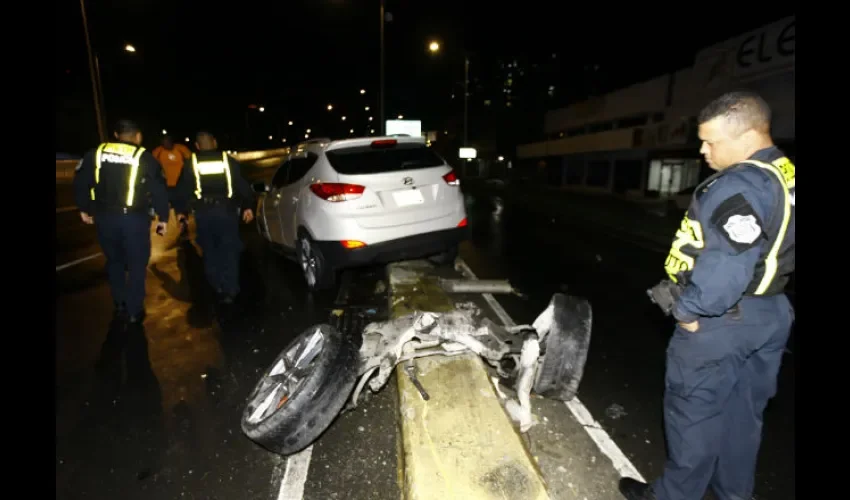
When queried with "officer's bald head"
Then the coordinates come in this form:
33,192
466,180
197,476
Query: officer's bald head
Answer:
733,127
128,131
205,141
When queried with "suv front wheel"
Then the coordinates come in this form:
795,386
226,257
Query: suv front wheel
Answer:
318,274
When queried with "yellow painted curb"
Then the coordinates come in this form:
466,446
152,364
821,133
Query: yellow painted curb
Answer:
460,443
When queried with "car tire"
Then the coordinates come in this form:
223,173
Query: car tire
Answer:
302,416
566,346
446,257
317,271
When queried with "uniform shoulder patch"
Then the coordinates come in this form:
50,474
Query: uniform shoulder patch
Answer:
78,166
739,223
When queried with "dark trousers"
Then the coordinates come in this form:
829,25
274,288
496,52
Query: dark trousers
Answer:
719,380
126,243
218,237
173,195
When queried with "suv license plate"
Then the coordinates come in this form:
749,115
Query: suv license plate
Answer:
408,197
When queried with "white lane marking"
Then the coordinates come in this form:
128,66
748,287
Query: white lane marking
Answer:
297,466
603,441
78,261
65,209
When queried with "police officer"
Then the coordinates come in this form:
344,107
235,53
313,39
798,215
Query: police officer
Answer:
728,267
113,186
211,184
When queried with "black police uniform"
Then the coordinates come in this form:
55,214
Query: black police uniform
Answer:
732,257
115,184
211,184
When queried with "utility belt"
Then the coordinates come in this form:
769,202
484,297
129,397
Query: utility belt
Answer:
214,201
121,210
666,293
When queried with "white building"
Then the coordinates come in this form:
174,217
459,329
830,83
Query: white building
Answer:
641,140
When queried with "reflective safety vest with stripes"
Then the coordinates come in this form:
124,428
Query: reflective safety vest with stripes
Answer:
777,260
212,176
116,173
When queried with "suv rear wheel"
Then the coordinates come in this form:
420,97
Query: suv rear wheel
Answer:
318,273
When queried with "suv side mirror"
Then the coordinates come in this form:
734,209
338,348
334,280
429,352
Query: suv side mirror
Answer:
260,187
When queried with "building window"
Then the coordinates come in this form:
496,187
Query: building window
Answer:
627,175
600,127
670,176
634,121
574,176
598,173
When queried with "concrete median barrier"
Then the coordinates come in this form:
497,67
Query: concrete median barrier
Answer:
459,443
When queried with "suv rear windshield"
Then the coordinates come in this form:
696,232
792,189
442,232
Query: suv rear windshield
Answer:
368,160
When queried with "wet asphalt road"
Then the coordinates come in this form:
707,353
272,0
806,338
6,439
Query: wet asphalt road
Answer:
624,373
154,412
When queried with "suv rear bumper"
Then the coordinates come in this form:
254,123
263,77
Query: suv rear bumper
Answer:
411,247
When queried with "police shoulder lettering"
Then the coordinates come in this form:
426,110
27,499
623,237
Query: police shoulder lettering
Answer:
736,219
116,158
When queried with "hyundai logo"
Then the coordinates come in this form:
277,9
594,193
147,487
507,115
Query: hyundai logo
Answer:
408,181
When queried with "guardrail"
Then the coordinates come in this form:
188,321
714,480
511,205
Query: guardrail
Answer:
65,168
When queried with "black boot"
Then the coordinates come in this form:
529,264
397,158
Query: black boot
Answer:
633,489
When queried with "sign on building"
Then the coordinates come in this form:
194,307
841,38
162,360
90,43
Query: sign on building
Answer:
753,55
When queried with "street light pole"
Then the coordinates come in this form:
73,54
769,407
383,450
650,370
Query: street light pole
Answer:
465,99
100,129
381,103
102,101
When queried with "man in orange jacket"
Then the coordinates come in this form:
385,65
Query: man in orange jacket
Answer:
171,157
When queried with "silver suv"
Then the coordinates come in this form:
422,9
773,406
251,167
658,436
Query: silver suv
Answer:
346,203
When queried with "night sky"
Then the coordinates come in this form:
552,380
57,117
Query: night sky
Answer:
200,67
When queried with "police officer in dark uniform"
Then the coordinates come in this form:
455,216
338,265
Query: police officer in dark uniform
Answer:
114,185
728,267
211,184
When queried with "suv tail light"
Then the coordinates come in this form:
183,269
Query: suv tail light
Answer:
451,179
330,191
